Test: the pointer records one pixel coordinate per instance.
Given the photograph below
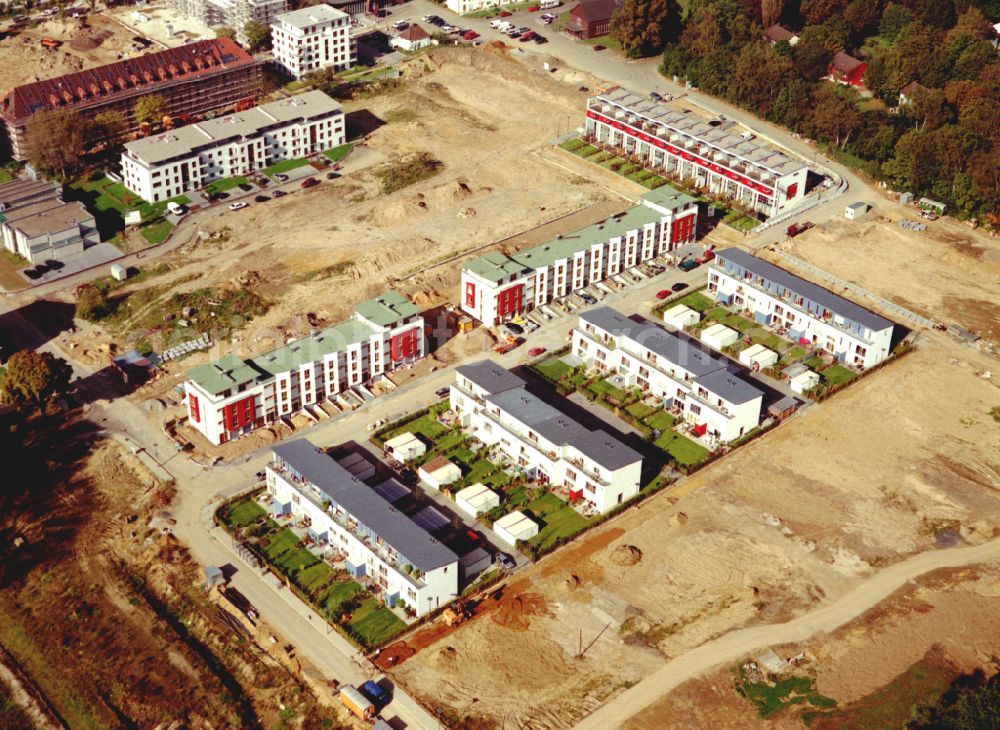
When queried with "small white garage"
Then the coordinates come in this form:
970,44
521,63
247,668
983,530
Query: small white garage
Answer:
758,357
718,336
439,472
680,317
404,447
515,526
804,381
476,499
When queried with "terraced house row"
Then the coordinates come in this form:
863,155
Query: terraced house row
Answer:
716,154
497,287
233,396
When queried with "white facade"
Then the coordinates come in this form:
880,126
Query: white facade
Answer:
234,14
190,157
349,517
514,527
439,472
311,39
497,287
665,365
494,406
472,6
476,499
722,157
35,222
758,357
404,447
232,396
806,313
718,336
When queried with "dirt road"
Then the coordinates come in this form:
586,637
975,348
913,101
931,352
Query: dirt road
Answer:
738,644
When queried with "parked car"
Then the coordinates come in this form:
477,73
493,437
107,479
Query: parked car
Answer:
588,298
308,182
514,328
527,36
505,561
442,392
524,29
278,194
400,25
796,228
261,199
53,264
655,96
379,697
688,265
246,187
512,34
428,18
536,351
663,294
505,13
599,48
280,177
332,175
679,286
470,35
238,205
540,39
534,8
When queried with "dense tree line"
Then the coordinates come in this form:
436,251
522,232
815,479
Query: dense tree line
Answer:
942,142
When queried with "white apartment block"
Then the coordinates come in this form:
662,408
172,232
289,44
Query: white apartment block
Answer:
805,312
35,222
471,6
313,38
497,287
348,516
190,157
232,396
719,156
233,14
494,406
717,402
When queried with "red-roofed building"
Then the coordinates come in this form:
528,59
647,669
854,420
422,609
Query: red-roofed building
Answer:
847,70
591,18
192,79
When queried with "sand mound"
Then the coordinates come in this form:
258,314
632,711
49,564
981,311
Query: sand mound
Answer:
678,519
626,555
398,212
570,584
445,657
467,213
515,613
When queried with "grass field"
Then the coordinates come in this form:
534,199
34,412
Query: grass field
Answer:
285,166
315,577
156,231
226,183
697,301
603,387
681,448
375,624
560,520
661,421
553,368
838,375
244,513
772,698
338,153
336,595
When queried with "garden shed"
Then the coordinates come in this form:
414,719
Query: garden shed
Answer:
404,447
476,499
680,316
758,357
439,472
515,526
718,336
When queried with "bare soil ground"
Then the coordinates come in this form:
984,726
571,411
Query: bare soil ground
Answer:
947,273
101,608
86,44
898,656
870,475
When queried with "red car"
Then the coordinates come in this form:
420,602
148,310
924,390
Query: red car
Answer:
527,36
663,294
534,8
599,48
536,351
505,14
309,182
470,35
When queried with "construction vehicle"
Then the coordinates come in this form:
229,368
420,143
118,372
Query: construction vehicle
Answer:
51,43
454,615
507,345
796,228
357,703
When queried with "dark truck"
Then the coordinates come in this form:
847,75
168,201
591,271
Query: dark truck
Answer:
797,228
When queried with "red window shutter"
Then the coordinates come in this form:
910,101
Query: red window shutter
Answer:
195,409
470,294
792,189
396,347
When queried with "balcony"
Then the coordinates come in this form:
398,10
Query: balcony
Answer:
523,440
589,472
708,404
349,524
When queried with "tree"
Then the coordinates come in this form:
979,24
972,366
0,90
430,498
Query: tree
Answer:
92,303
770,11
862,14
150,108
833,117
256,34
758,77
894,19
108,127
53,142
644,27
224,31
928,109
818,11
34,377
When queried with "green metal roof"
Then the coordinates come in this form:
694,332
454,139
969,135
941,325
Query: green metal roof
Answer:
387,309
231,371
495,266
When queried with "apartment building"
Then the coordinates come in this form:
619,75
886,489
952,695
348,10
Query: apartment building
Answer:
35,222
497,287
195,78
313,38
347,516
719,403
718,155
233,14
799,309
471,6
190,157
233,396
494,406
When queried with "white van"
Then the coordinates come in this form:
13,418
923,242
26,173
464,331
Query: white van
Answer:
548,4
176,208
495,24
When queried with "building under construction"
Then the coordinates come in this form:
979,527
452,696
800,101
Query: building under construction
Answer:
195,78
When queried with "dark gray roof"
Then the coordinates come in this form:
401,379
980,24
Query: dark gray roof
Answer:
365,505
729,387
814,292
679,351
490,376
606,450
560,429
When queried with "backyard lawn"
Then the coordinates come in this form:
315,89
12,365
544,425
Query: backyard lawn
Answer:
156,231
336,595
661,421
560,520
697,301
553,368
374,623
427,426
226,183
315,577
640,410
603,387
338,153
838,375
285,166
682,449
244,513
283,551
